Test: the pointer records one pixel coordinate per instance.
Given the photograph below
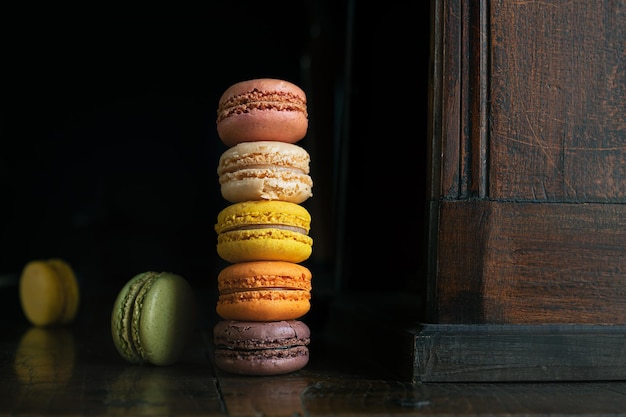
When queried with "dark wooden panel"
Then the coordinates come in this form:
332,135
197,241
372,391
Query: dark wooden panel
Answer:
529,263
558,96
528,147
457,272
520,353
377,331
445,100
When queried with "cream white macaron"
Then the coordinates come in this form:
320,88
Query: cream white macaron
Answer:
265,170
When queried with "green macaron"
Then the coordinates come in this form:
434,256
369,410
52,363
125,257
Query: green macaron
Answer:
153,318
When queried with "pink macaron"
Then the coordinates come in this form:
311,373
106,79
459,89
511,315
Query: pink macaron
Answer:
263,109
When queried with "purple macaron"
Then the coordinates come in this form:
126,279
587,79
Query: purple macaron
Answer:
261,348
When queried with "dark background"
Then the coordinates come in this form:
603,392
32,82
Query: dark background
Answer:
108,146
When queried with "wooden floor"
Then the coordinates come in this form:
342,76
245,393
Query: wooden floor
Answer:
75,371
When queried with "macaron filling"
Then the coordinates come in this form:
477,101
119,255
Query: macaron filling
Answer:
262,171
260,100
266,294
130,318
291,228
289,177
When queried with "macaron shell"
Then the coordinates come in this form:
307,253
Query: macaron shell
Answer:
262,85
264,245
244,335
266,184
167,320
262,109
271,213
264,153
248,276
262,362
268,305
49,292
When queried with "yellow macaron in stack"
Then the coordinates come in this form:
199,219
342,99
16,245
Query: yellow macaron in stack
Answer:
264,231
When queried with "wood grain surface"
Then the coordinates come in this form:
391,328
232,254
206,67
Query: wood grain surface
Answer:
527,263
557,101
528,164
76,371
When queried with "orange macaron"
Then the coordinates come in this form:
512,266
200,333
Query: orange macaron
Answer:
264,291
262,109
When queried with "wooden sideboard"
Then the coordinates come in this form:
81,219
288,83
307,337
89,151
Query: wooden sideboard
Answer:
525,247
527,231
529,162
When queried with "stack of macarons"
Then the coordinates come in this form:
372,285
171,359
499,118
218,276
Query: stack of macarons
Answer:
264,231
